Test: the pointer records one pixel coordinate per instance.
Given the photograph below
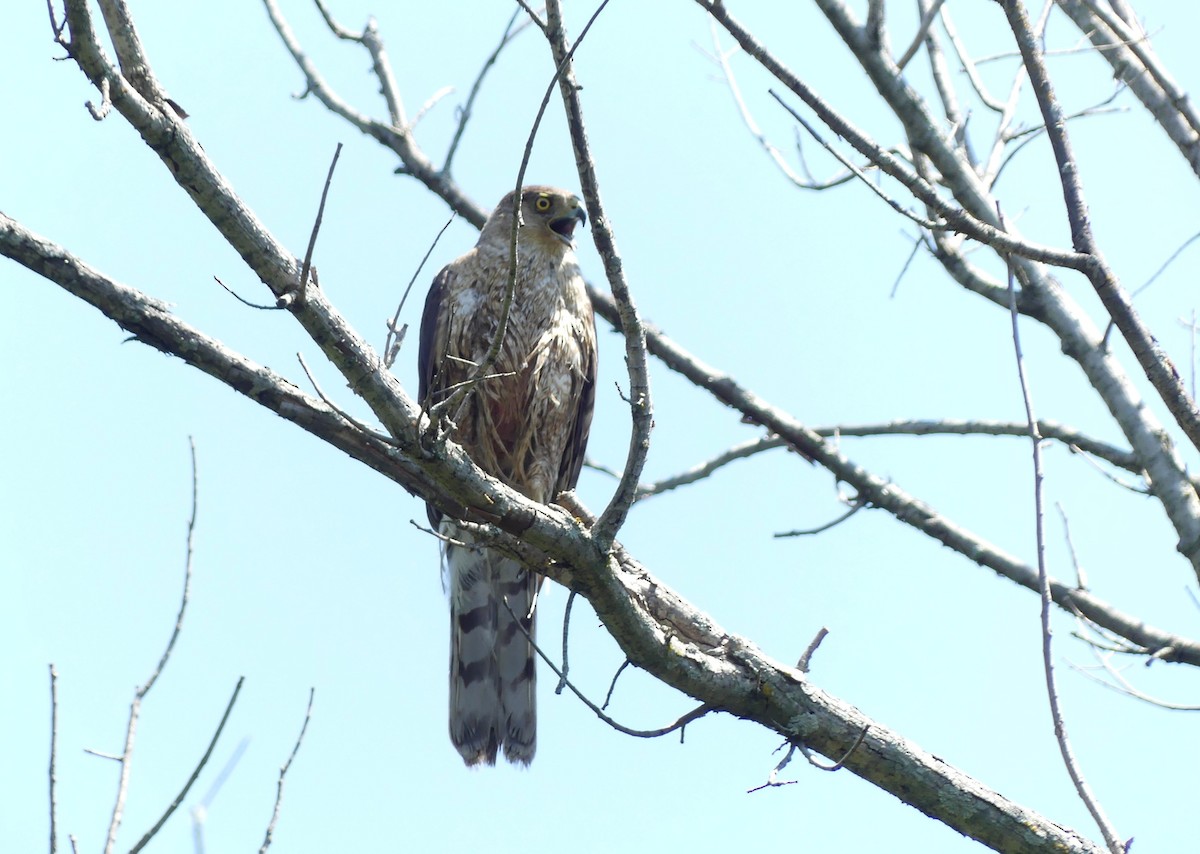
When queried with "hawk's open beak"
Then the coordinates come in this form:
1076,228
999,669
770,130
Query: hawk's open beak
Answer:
564,226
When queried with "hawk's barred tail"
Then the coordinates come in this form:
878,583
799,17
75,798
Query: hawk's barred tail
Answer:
515,661
492,682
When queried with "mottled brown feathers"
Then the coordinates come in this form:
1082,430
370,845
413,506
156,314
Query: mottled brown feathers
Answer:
526,423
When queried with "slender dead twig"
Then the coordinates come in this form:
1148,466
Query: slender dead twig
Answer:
968,65
721,57
381,65
283,773
841,762
140,694
641,408
195,773
773,778
358,425
465,111
805,660
199,812
312,238
680,723
1165,264
245,301
55,26
820,529
916,247
922,33
562,681
697,473
395,333
1056,715
932,225
612,686
1080,575
53,728
432,102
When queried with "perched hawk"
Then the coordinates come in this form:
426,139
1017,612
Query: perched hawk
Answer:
525,423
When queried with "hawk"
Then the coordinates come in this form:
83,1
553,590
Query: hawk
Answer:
525,422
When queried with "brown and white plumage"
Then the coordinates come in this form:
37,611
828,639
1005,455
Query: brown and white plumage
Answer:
527,424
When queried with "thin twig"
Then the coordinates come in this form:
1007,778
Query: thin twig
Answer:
382,437
465,111
968,65
1120,684
53,728
195,773
533,16
922,32
140,694
562,682
312,238
682,721
840,763
1060,729
696,473
917,244
381,65
808,532
641,408
773,778
721,57
932,225
960,219
245,301
806,657
433,101
1080,575
1165,264
54,24
395,335
199,812
283,773
612,686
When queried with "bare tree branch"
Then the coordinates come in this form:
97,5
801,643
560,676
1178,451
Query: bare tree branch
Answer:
656,629
1169,479
887,495
1133,62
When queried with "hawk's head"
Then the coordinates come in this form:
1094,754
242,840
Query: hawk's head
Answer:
548,216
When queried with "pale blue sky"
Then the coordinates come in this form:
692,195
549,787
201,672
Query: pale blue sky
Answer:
308,573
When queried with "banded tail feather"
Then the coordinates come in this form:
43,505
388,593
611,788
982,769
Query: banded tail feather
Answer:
493,682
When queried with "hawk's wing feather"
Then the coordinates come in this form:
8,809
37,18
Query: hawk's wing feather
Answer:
430,349
433,337
581,426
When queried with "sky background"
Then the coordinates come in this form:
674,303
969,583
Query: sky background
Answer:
308,573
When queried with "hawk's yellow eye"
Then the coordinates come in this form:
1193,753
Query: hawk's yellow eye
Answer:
542,203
